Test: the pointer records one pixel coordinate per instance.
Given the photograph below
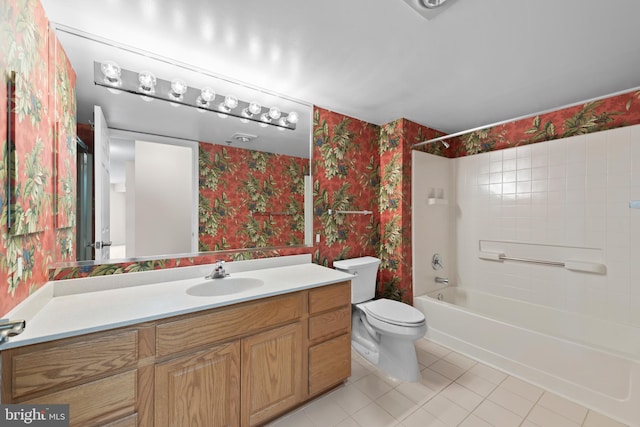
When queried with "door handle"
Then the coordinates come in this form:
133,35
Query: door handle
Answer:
99,244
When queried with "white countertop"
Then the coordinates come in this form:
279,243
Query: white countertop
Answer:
74,314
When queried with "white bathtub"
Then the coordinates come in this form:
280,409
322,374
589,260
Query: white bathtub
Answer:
590,361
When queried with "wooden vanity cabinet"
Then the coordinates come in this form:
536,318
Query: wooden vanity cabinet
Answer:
96,374
239,365
329,351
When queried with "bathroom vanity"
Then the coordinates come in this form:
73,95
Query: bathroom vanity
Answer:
226,362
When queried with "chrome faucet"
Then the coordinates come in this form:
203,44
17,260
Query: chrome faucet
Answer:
10,328
218,271
443,280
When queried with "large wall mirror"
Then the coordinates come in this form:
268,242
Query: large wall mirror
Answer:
182,180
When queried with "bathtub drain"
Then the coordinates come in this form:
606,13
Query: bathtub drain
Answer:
440,296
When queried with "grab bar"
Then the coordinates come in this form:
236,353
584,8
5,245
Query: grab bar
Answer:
331,212
588,267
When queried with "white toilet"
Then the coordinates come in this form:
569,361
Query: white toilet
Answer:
382,330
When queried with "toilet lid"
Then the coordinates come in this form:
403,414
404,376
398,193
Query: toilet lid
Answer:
395,312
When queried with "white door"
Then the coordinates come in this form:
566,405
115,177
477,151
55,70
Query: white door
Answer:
102,185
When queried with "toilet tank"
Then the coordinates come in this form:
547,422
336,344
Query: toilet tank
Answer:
363,286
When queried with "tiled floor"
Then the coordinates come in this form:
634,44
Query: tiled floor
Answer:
453,391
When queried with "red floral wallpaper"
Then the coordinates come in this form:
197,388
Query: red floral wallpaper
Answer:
28,247
396,139
608,113
346,174
63,104
250,199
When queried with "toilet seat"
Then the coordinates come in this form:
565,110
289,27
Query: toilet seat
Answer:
393,312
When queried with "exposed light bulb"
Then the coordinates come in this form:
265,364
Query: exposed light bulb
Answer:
230,102
206,96
275,113
112,73
147,85
293,117
178,89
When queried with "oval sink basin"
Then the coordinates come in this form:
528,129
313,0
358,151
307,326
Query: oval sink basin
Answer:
226,286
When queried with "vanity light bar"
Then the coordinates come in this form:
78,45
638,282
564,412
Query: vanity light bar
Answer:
129,82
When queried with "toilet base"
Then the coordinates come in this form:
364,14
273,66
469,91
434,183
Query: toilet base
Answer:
393,354
397,357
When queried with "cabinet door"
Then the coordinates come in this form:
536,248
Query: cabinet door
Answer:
329,363
271,373
202,389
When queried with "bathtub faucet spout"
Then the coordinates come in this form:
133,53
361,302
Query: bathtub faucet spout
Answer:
442,280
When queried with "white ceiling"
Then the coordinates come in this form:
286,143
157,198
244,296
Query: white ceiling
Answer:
475,63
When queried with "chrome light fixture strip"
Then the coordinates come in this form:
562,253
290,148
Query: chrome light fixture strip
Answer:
130,84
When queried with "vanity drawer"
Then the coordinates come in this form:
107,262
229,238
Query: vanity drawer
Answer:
329,297
329,363
226,323
96,402
42,366
330,324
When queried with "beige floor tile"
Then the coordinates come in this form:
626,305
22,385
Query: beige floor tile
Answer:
511,401
373,415
397,404
564,407
432,347
416,392
459,360
293,419
595,419
425,358
348,422
434,380
372,386
522,388
464,397
473,421
350,399
544,417
476,383
422,418
488,373
445,410
447,369
325,412
496,415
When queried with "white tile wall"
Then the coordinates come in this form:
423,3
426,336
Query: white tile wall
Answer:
571,192
433,224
